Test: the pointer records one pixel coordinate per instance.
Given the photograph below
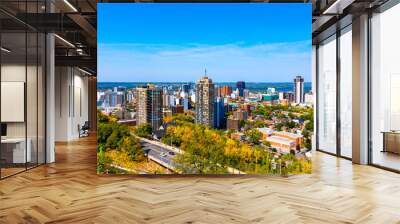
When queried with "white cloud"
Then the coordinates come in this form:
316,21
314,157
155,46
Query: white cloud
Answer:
229,62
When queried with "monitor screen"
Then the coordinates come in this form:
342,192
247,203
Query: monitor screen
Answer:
3,129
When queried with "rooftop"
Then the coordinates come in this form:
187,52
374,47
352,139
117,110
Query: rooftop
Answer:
280,140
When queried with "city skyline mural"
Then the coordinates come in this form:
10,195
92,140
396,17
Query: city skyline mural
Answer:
213,89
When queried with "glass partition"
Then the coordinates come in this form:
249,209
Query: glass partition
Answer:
13,92
346,92
327,95
22,91
31,97
41,97
385,89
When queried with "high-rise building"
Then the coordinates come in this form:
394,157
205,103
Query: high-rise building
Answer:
171,100
185,88
240,115
246,93
241,85
224,91
309,98
177,109
149,106
282,96
115,99
130,96
205,101
219,113
299,89
166,100
233,124
185,103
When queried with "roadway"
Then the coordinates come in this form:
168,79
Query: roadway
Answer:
164,155
156,152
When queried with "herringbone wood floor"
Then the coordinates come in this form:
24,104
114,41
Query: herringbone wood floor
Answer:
69,191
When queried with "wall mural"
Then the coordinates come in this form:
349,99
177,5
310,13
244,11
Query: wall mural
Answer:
204,89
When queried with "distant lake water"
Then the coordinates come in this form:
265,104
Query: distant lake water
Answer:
252,86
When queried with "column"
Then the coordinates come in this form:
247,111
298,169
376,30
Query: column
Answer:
360,90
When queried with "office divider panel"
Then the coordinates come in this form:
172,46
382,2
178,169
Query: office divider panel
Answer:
23,91
15,151
385,85
327,95
31,95
346,92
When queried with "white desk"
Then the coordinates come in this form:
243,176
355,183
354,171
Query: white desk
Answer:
19,155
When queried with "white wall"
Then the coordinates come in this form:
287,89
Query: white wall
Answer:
71,102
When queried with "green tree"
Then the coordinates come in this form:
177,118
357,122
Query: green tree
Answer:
104,130
309,125
182,118
102,118
242,123
104,163
132,146
278,126
307,139
290,124
266,143
279,115
253,135
118,133
144,130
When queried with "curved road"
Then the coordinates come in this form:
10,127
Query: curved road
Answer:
158,152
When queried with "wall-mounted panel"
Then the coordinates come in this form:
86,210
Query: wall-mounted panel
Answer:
12,101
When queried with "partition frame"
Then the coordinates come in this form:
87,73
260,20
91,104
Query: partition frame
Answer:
382,8
338,33
44,93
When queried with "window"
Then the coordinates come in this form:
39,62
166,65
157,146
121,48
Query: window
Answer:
327,95
22,89
385,89
346,92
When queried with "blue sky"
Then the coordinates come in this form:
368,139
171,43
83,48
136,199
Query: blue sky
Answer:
175,42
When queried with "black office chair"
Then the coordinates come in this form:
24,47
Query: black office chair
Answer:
84,130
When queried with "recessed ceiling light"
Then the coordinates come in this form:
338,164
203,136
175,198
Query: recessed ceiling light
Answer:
86,72
64,40
70,5
5,50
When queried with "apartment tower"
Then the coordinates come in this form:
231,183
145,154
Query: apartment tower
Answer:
241,85
224,91
205,101
299,89
149,106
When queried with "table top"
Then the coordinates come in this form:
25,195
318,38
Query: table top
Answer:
13,140
391,132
